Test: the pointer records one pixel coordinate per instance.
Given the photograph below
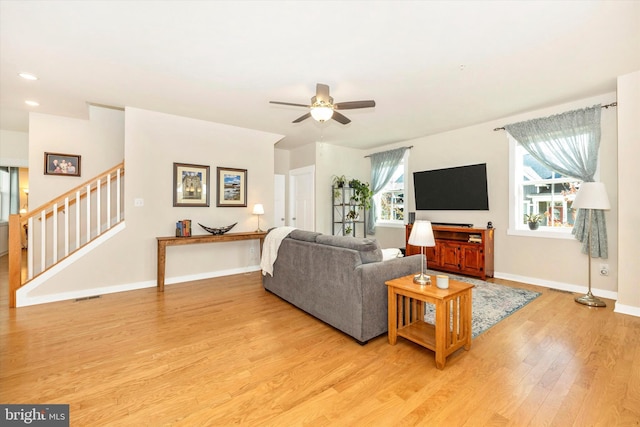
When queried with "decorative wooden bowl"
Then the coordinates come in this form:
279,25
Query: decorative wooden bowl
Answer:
219,230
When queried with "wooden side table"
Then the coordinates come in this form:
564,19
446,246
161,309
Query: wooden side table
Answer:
452,329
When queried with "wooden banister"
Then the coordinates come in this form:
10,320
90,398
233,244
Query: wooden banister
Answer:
60,199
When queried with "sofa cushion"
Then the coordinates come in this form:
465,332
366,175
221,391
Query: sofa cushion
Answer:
369,249
305,236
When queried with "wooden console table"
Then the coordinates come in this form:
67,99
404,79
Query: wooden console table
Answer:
163,242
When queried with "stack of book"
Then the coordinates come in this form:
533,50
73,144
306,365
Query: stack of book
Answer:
183,228
475,238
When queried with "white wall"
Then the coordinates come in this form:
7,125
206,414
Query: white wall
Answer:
152,143
302,156
99,141
14,148
629,196
549,262
335,160
528,259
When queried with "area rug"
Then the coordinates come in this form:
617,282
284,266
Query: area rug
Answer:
490,302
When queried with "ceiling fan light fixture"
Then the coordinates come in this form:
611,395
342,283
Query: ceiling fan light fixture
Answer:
321,113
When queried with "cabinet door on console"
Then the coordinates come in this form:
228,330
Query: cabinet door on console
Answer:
432,256
449,255
472,259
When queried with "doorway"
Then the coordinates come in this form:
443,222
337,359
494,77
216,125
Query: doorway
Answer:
302,198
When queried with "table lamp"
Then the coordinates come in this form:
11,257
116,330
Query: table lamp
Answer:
422,235
591,195
258,209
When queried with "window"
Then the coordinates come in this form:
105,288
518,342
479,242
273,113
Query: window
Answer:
390,202
538,190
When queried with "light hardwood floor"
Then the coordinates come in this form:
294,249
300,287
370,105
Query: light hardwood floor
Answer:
225,352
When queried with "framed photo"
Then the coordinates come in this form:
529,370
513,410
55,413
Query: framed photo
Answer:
61,164
232,187
190,185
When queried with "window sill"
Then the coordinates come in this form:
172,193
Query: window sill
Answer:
546,234
389,224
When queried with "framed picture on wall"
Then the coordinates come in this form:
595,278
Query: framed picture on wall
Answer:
232,187
62,164
190,185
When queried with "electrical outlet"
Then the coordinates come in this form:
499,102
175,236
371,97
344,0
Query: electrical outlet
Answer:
252,250
138,203
604,269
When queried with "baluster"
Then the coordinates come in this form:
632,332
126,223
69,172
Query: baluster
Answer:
54,233
30,250
66,226
88,213
98,204
43,236
108,201
77,219
118,196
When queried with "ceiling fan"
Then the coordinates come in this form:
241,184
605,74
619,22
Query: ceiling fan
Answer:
322,107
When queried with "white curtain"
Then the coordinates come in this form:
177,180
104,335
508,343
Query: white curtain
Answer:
383,165
568,143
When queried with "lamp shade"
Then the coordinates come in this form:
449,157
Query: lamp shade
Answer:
422,234
258,209
592,195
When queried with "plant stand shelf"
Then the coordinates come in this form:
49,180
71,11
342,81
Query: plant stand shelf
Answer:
347,218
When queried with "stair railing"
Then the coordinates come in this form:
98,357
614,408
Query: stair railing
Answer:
55,230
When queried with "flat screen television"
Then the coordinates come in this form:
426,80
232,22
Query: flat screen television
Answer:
452,189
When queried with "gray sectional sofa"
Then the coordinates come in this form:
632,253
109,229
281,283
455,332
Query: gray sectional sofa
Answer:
339,280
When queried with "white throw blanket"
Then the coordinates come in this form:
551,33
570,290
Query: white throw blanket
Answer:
271,246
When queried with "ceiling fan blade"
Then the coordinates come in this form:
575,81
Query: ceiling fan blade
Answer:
301,118
340,118
354,104
289,103
322,93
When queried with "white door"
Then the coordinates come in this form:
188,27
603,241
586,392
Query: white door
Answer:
302,198
278,202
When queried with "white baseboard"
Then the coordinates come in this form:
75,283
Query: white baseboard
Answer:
578,289
627,309
618,308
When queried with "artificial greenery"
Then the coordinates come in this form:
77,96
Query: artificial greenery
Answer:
362,193
339,181
352,214
534,218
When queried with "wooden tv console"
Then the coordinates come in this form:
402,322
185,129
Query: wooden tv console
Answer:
457,252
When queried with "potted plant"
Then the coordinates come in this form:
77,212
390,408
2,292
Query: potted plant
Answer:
533,220
338,182
347,231
352,215
362,193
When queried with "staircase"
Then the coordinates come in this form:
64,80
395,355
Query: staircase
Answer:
42,239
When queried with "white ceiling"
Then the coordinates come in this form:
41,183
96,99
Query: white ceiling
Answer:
431,66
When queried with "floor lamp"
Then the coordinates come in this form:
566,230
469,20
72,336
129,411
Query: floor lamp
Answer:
422,235
591,195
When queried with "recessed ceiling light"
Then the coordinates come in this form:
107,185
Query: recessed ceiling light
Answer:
28,76
32,103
